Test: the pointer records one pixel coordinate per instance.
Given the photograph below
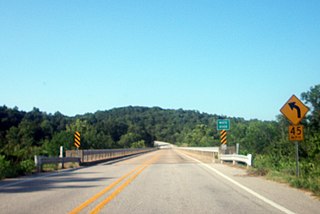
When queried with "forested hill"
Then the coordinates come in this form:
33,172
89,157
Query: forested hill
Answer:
25,134
148,124
116,128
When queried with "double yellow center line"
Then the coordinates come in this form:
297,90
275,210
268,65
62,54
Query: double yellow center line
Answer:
134,173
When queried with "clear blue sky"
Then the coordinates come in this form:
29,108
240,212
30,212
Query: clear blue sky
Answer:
241,58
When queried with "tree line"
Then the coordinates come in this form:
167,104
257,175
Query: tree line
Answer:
25,134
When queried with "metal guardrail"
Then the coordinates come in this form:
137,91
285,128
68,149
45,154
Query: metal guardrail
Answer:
88,156
94,155
40,160
247,159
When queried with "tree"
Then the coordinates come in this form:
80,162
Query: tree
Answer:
88,133
52,147
259,135
138,144
312,98
311,146
201,136
128,139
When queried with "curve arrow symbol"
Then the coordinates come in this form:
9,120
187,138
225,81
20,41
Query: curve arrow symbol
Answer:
292,106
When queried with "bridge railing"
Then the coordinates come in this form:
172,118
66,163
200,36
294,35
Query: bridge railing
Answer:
206,154
94,155
214,154
88,156
41,160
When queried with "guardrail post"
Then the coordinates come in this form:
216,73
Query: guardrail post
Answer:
38,163
62,162
61,156
249,163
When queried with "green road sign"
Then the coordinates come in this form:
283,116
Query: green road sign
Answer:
223,124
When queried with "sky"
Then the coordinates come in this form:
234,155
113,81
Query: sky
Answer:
242,58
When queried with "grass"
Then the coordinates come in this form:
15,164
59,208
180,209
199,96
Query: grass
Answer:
49,167
55,167
307,182
283,170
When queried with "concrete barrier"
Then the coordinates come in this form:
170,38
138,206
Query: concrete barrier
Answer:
213,154
205,154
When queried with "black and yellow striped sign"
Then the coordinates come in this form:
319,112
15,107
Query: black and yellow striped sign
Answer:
77,139
223,137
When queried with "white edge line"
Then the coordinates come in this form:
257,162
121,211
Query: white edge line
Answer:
266,200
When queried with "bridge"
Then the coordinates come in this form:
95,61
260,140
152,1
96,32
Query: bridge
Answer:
167,180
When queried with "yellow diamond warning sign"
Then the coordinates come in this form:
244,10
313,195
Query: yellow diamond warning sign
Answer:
294,110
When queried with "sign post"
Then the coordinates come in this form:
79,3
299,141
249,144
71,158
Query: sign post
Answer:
297,159
294,110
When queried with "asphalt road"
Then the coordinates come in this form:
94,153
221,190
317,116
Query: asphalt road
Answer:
165,181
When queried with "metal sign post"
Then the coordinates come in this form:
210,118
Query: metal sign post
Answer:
297,159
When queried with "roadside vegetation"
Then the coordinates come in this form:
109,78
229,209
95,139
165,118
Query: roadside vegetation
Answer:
25,134
276,160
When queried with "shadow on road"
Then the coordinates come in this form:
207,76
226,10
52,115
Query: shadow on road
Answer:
54,181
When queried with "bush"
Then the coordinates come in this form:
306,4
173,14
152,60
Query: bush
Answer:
50,167
7,169
4,166
284,170
138,144
297,182
27,167
287,167
261,165
12,171
314,186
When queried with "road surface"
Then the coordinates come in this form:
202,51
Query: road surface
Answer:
164,181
